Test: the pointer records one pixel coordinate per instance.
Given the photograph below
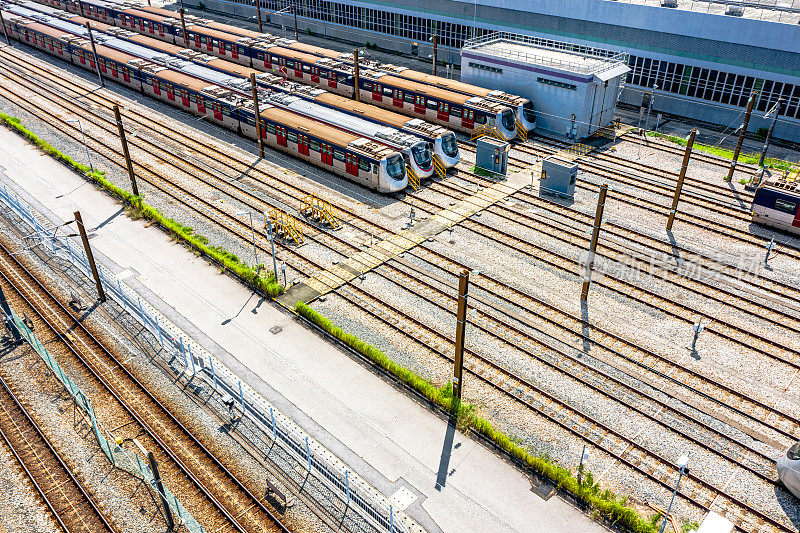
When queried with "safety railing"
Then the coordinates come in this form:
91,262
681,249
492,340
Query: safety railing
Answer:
438,167
286,226
319,210
318,461
521,131
487,129
413,179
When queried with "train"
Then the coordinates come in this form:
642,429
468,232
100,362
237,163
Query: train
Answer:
525,112
789,469
457,111
442,142
776,203
354,157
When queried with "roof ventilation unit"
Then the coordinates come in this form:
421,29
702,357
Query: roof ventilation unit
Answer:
735,11
669,3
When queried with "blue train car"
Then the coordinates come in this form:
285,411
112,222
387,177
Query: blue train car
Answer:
777,204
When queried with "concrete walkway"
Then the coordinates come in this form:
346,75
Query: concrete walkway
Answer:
448,482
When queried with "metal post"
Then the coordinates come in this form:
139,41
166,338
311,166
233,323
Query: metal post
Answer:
274,427
213,373
258,10
294,10
253,232
650,106
598,219
88,157
125,151
157,480
435,43
183,25
674,493
10,320
308,455
101,293
736,151
777,109
3,24
94,51
158,329
257,117
271,235
241,397
686,155
461,322
580,465
356,96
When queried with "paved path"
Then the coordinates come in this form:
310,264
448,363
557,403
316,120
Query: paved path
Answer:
450,482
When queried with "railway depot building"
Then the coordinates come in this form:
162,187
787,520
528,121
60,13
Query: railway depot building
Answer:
704,58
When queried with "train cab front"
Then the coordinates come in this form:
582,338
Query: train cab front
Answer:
526,116
420,159
446,149
506,124
393,175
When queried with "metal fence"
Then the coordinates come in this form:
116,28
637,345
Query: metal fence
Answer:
350,488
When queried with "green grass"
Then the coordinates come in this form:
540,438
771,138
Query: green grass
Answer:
605,503
749,159
137,208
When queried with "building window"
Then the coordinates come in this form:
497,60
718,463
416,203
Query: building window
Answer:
486,68
558,84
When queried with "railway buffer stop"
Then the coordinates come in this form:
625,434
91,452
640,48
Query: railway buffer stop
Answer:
574,89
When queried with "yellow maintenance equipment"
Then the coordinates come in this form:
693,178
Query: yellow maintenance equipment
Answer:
487,129
319,210
439,167
413,179
284,225
522,132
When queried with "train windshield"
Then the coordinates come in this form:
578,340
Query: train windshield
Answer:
449,145
507,116
527,111
422,154
395,167
794,452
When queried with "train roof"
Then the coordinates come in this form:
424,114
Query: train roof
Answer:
316,50
782,184
233,30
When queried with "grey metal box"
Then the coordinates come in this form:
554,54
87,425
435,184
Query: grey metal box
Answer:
491,155
558,176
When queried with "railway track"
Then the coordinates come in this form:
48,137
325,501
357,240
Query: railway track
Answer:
182,457
246,238
69,501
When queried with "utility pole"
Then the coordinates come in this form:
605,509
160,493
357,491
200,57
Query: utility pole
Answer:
9,317
3,23
160,486
598,219
258,10
94,51
294,10
747,113
355,76
183,25
650,106
461,324
257,115
101,293
134,187
271,235
686,155
435,43
776,109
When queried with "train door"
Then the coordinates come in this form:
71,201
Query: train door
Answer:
50,44
419,105
82,56
156,87
150,27
171,92
263,129
352,164
197,40
397,98
444,111
280,133
114,69
201,105
302,145
185,97
161,34
102,65
326,154
796,221
235,51
221,48
298,70
468,118
209,44
217,110
125,75
377,93
332,79
141,24
267,62
315,74
91,60
282,66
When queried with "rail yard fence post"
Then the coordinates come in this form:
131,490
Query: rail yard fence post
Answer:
681,177
461,322
125,152
157,480
739,141
598,220
101,293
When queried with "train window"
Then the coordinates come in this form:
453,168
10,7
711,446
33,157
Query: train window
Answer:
480,119
387,92
433,105
270,128
366,85
291,136
793,453
785,206
313,145
455,111
338,154
363,165
306,68
374,168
